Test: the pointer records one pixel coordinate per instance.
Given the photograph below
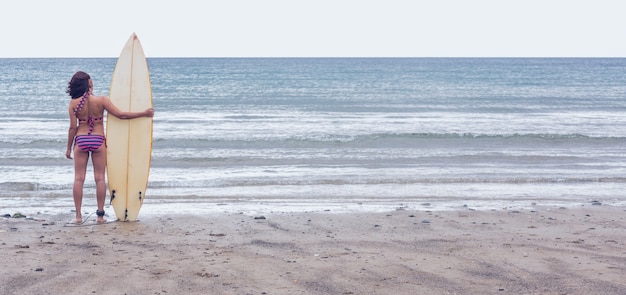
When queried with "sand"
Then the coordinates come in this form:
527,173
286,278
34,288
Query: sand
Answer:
551,250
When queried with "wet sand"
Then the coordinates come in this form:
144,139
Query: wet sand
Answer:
546,250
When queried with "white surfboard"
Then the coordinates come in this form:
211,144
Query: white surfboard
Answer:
129,142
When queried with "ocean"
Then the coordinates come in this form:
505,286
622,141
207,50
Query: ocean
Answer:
263,135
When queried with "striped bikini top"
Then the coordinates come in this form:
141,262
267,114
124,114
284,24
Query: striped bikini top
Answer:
90,120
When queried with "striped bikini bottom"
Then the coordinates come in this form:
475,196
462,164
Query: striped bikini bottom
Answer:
90,143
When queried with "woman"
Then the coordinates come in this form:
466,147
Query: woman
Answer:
86,135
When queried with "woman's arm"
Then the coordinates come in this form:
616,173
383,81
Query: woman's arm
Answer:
113,110
71,133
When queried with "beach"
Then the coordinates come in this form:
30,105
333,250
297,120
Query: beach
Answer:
540,250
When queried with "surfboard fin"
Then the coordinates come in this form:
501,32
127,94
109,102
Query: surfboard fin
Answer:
112,197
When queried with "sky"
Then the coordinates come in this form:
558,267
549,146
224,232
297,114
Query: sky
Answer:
316,28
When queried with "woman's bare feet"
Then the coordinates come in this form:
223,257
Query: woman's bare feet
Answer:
79,218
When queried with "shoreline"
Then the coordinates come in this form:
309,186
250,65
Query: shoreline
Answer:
544,250
281,205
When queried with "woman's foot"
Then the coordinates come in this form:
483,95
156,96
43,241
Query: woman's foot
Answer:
100,215
79,218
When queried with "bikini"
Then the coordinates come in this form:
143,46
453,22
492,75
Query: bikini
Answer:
88,142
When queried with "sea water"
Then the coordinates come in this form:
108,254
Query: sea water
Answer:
336,134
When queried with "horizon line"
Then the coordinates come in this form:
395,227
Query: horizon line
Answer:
303,57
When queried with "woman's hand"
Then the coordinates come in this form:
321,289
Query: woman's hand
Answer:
68,154
149,112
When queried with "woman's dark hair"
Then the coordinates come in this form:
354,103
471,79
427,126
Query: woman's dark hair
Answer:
78,85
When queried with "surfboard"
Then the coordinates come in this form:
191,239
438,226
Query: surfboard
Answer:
129,142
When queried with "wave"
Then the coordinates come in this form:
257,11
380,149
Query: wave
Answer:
32,142
16,186
376,140
425,135
270,181
452,135
374,149
261,182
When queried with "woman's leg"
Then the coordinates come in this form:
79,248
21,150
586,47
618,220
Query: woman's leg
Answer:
99,160
80,168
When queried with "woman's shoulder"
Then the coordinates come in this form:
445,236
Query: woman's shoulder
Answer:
101,99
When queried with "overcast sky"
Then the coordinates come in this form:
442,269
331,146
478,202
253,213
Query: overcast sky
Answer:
316,28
